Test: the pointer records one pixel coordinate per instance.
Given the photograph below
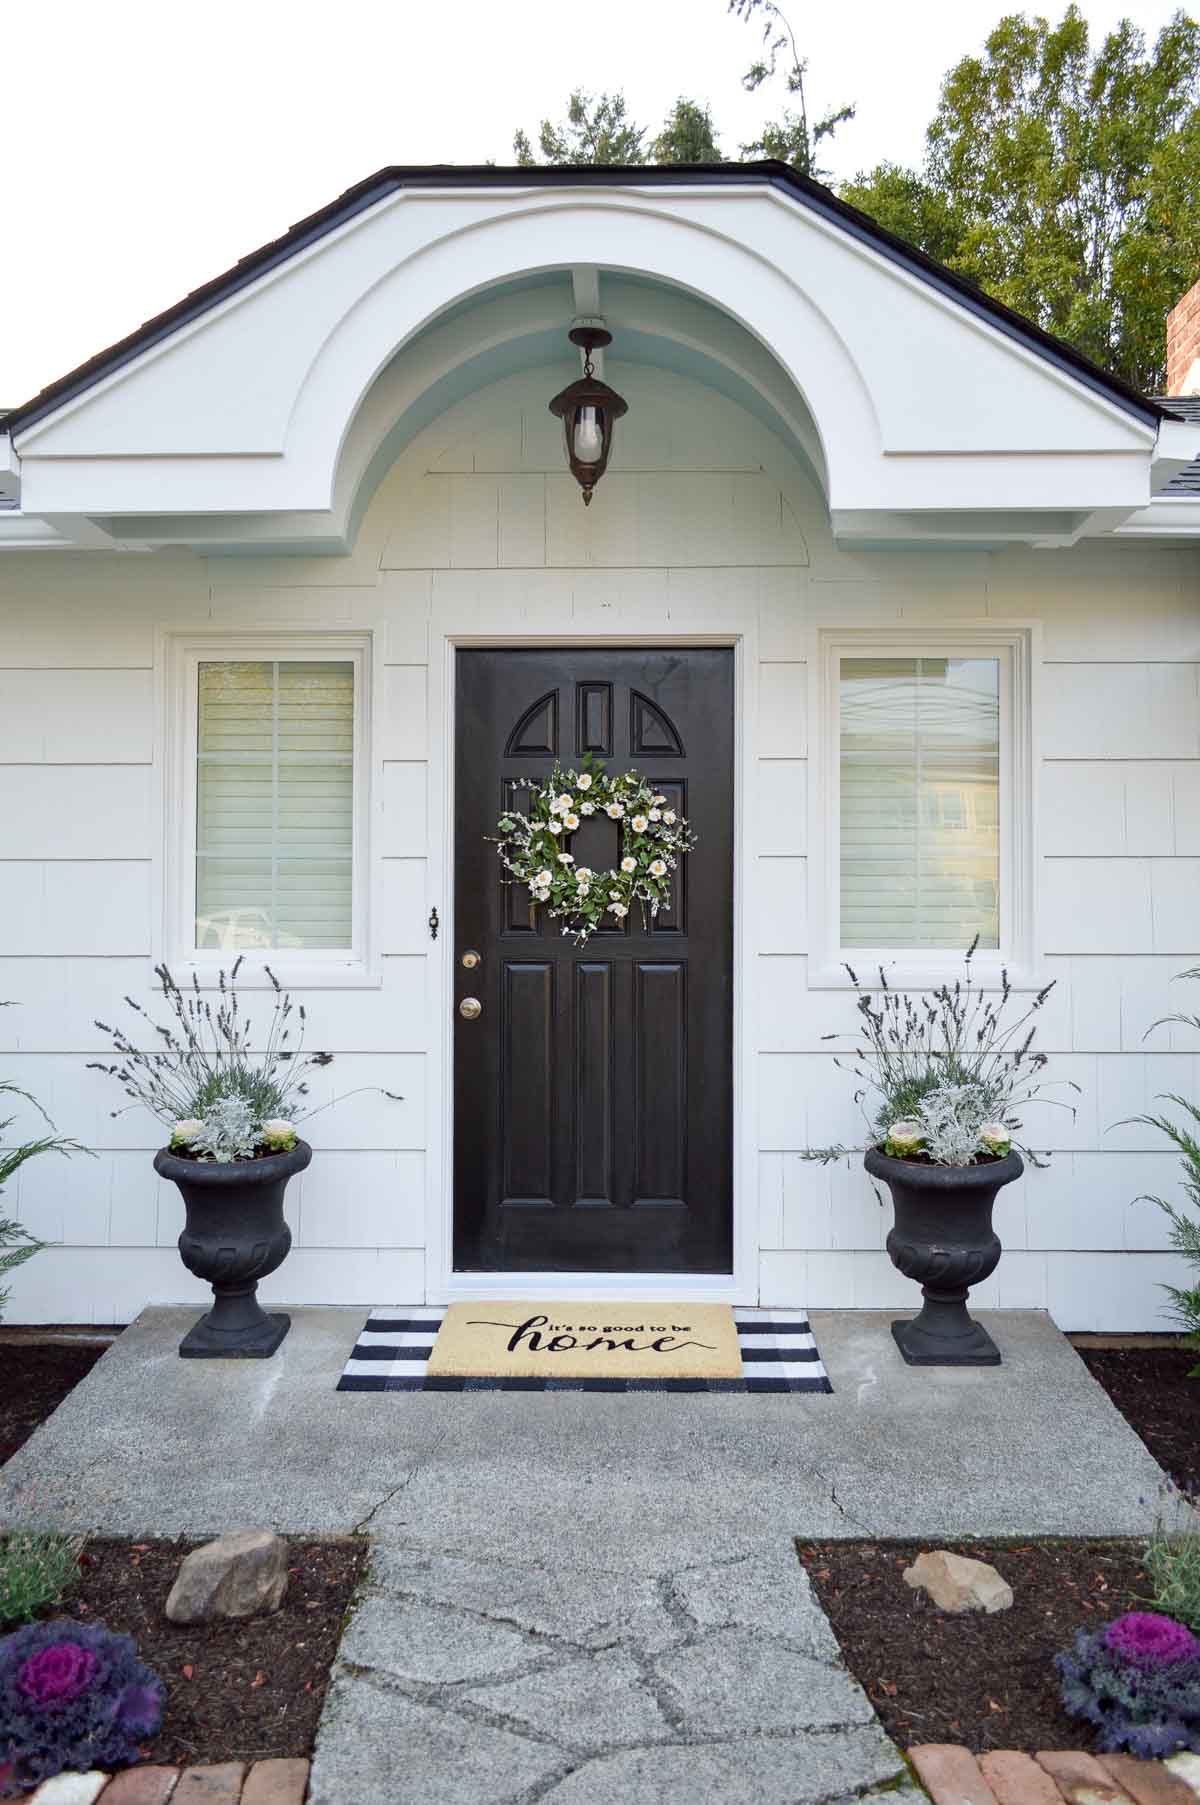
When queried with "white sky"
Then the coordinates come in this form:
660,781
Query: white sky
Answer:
153,142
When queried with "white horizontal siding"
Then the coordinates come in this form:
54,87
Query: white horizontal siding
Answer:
485,535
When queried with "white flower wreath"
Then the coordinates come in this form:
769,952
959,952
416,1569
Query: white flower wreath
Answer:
534,846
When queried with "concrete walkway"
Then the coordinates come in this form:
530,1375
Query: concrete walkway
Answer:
577,1597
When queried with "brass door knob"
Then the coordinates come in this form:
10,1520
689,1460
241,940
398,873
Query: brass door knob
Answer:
470,1008
470,959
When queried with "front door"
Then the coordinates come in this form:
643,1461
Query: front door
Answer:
593,1090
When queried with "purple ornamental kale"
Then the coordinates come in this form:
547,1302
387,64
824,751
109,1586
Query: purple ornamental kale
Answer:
72,1695
1138,1681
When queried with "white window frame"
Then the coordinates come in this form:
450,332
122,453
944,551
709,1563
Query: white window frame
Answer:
1013,644
308,966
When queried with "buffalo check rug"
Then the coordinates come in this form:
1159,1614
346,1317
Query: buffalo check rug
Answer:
393,1352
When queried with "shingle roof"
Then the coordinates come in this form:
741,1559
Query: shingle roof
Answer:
368,193
1183,407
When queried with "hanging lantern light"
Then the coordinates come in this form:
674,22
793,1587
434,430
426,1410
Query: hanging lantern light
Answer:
588,409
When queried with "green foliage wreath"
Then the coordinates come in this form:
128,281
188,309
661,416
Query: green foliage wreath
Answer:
534,846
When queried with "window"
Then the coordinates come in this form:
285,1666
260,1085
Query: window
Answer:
270,763
920,802
921,787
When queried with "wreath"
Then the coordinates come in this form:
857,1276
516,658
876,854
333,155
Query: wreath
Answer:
534,846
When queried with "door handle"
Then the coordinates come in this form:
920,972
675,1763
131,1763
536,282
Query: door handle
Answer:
470,1008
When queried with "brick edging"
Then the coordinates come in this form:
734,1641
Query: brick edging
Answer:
953,1776
276,1782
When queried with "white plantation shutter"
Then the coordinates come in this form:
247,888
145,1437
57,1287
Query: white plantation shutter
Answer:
275,804
920,802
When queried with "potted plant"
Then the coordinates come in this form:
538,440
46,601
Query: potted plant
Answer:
942,1077
232,1148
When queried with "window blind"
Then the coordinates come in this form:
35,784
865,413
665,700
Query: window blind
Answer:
920,802
275,804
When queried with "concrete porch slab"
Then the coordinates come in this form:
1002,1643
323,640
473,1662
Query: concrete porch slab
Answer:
633,1483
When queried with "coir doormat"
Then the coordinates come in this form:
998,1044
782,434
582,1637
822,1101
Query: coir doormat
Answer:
395,1350
587,1341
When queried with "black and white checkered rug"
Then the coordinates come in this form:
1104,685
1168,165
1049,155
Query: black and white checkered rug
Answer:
392,1354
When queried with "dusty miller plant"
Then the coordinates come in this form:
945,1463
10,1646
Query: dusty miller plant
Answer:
229,1132
952,1116
957,1051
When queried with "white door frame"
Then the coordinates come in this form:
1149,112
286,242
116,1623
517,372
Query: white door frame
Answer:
442,1283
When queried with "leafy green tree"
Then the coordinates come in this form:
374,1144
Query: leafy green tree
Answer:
688,136
1062,178
792,137
597,129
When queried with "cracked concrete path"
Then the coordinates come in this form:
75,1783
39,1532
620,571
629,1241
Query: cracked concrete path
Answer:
581,1597
476,1682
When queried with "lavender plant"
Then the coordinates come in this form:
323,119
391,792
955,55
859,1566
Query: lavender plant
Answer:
943,1074
202,1076
73,1696
1137,1681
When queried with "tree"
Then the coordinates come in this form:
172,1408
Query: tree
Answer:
790,138
687,136
1064,180
596,130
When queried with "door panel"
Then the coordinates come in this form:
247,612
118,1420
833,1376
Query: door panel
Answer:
593,1093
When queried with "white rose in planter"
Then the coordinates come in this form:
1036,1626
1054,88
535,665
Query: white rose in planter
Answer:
995,1138
185,1132
280,1136
904,1138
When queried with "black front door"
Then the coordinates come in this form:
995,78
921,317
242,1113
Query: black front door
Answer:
593,1090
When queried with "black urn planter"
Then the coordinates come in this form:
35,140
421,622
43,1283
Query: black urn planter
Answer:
234,1235
943,1237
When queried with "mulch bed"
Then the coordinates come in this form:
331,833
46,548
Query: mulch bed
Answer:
1151,1389
987,1682
35,1377
235,1691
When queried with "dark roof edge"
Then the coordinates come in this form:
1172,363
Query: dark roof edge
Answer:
376,187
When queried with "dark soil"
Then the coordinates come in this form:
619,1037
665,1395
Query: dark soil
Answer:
1151,1389
988,1682
235,1691
35,1377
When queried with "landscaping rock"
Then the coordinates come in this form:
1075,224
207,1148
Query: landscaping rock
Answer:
70,1789
239,1575
956,1584
1187,1767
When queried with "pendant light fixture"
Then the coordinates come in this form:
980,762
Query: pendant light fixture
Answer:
588,408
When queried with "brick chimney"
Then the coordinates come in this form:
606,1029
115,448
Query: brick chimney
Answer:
1183,344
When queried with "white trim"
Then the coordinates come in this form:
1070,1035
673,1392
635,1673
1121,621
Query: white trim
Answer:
1014,644
180,655
443,1283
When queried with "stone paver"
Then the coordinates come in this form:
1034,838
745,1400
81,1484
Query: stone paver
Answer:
758,1771
1016,1779
952,1774
1146,1782
276,1783
760,1593
142,1786
592,1704
431,1646
219,1783
1081,1779
745,1684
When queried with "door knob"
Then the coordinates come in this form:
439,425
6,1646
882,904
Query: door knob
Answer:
470,1008
470,959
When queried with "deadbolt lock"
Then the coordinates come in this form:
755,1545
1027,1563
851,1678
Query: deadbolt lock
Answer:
471,959
470,1008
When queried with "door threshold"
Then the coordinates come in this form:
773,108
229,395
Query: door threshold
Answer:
595,1287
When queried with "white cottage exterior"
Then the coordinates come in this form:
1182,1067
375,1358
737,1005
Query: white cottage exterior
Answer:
333,474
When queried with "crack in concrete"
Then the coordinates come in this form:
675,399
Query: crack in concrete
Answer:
422,1460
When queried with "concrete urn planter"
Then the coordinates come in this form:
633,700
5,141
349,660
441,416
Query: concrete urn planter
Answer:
944,1239
235,1235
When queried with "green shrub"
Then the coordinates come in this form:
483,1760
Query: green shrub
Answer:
37,1566
1185,1222
16,1244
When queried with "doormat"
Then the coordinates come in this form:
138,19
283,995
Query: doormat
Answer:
586,1341
394,1351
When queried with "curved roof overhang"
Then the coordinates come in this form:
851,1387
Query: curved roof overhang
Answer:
269,414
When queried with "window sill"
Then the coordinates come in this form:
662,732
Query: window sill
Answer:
920,974
292,973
